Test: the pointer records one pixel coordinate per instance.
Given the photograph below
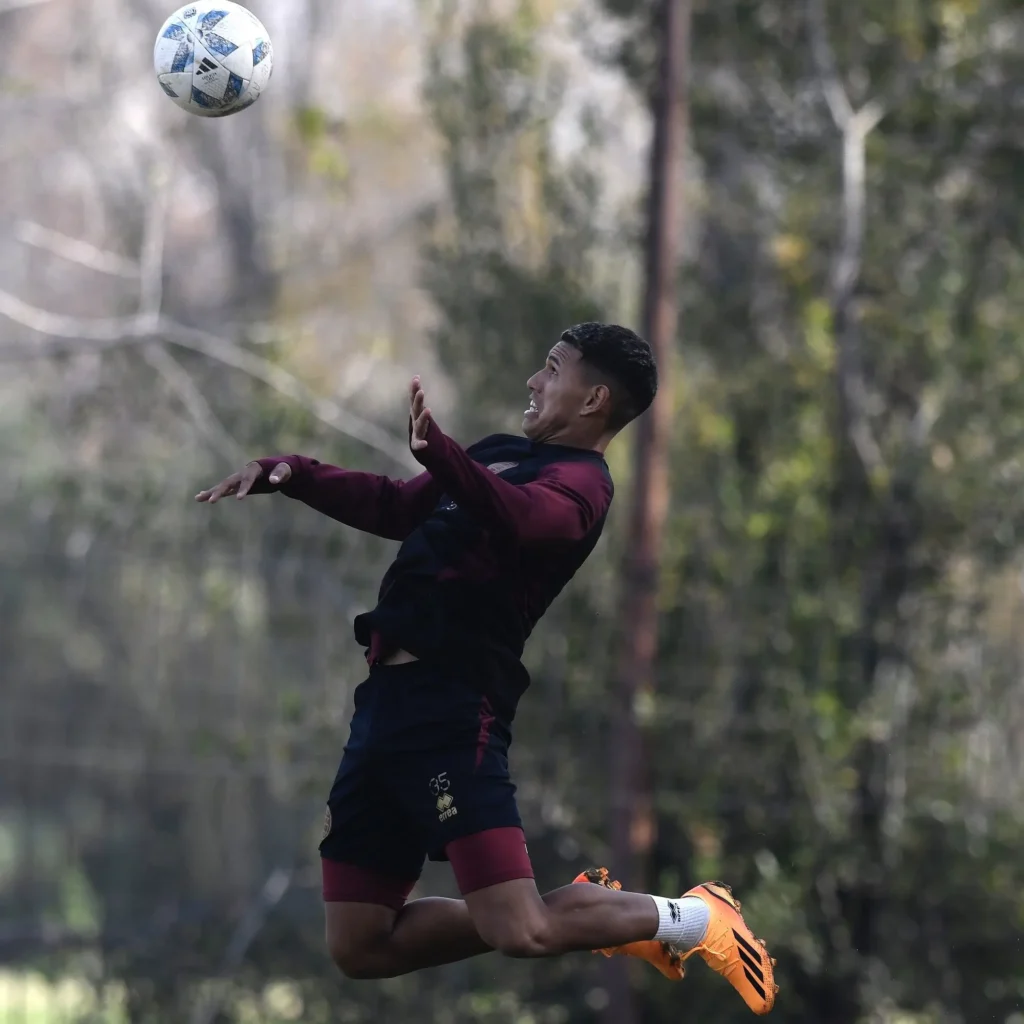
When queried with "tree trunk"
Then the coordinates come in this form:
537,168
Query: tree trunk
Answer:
633,824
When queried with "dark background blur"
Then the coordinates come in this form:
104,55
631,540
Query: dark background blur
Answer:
836,719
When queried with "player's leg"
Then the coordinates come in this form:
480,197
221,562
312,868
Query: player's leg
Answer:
514,918
371,933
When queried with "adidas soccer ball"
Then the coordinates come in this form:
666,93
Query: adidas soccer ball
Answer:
213,58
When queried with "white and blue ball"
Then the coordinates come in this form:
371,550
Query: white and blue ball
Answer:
213,58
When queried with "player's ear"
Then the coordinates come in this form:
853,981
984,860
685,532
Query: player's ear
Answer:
598,399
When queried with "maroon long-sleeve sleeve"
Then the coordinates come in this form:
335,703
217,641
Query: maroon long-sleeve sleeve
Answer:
374,504
564,502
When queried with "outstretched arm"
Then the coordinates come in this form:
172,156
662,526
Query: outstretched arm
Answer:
374,504
564,503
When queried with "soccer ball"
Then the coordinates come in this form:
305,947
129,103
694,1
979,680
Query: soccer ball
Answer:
213,58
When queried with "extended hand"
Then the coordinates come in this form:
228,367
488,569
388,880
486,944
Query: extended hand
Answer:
419,416
239,484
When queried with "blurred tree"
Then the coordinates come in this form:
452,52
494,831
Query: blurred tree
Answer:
632,822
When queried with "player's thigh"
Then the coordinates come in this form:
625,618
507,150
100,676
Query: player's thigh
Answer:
371,857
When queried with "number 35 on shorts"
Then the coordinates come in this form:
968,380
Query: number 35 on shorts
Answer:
439,786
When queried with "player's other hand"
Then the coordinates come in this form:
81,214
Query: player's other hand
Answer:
239,484
419,416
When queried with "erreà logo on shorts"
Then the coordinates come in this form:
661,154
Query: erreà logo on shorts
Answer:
500,467
446,805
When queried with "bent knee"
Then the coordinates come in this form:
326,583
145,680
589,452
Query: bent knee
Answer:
522,941
356,962
358,939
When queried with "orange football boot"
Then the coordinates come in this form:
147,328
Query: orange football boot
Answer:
729,947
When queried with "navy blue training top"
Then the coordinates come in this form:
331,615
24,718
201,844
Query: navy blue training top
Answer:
490,536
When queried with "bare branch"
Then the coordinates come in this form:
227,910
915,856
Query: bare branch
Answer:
153,331
14,5
75,251
855,126
324,409
184,387
109,330
828,69
151,259
107,333
177,378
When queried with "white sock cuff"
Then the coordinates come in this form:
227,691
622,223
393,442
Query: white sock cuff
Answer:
683,922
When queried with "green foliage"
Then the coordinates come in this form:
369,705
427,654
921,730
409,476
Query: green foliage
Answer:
318,137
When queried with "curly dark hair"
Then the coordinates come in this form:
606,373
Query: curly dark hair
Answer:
625,359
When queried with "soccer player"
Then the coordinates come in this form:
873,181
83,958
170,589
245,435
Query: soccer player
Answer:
490,535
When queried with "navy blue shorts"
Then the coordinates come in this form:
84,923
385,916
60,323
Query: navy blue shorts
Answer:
425,767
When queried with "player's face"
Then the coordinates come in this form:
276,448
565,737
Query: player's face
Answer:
558,393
